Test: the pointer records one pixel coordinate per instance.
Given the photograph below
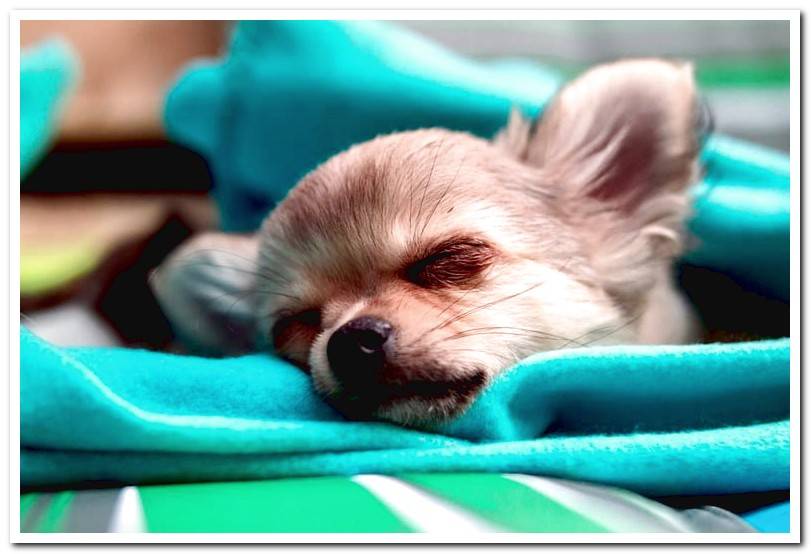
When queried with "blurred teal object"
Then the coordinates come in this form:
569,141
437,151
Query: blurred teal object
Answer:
772,519
290,94
47,72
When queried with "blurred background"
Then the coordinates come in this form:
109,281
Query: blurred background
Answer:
109,195
742,66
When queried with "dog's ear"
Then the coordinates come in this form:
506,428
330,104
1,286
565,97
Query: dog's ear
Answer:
621,133
617,149
206,290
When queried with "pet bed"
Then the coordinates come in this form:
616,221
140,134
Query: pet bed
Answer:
699,419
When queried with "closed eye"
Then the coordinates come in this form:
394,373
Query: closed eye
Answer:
455,262
299,325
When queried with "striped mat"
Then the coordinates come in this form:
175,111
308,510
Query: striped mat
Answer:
408,503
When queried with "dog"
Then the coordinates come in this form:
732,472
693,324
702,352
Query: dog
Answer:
407,272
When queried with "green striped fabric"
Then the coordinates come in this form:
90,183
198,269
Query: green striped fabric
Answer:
428,503
509,504
312,505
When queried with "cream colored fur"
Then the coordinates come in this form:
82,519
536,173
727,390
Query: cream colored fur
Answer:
568,232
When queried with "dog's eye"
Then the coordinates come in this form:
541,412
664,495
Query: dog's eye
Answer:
455,262
300,324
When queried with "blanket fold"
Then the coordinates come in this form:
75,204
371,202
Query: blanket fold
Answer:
698,419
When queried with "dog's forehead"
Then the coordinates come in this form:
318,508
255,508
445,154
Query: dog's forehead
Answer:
397,182
367,210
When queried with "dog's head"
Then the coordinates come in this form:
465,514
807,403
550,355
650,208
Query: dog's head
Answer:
409,270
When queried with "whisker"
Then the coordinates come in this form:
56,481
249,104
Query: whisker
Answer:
518,331
192,258
611,331
457,301
463,315
526,333
615,331
426,183
485,306
442,197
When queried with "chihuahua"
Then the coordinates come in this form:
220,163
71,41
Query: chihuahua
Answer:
407,272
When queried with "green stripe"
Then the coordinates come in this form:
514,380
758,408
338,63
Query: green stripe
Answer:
767,72
55,516
503,501
306,505
36,513
754,73
27,501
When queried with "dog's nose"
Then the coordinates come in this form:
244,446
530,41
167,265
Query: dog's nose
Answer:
357,350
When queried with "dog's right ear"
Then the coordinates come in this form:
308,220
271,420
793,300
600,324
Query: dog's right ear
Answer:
206,289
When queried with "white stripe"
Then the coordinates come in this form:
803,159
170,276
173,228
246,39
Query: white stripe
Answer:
619,511
423,511
128,514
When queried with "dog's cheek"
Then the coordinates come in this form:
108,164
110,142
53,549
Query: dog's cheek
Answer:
323,381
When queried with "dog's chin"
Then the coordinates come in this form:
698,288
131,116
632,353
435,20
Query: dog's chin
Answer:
423,403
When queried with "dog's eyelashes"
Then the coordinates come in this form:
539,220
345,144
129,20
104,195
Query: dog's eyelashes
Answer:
456,262
291,325
310,318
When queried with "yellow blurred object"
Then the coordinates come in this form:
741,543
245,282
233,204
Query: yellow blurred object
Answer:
50,268
63,238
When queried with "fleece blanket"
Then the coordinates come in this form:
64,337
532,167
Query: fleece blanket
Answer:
675,420
289,94
696,419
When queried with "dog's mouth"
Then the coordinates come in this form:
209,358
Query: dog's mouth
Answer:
440,399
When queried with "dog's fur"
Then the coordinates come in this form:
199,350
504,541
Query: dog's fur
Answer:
478,253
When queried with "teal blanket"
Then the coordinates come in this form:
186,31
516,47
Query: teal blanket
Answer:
675,420
659,420
289,94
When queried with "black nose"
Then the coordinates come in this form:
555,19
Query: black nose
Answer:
357,350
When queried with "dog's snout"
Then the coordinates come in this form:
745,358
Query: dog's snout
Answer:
357,349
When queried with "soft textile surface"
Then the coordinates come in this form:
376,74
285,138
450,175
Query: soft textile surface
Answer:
289,94
461,504
741,215
689,420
